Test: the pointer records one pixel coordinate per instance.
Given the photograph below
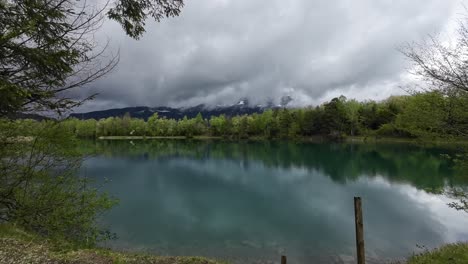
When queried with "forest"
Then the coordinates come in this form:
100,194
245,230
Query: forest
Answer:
424,115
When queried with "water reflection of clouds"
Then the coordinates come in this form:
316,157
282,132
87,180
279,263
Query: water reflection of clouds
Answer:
434,206
455,222
206,202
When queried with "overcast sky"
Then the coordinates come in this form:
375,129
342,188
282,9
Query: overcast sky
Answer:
219,51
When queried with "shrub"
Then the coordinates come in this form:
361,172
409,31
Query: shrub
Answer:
40,189
390,130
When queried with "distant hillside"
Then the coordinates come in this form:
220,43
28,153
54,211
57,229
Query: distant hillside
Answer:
144,112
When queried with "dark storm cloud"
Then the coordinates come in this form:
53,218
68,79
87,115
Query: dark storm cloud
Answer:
218,51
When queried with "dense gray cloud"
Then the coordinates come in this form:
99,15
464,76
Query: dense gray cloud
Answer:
218,51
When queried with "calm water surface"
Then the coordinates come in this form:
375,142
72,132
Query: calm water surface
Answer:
252,202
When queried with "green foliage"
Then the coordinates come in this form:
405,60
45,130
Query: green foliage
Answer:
435,114
40,189
373,115
219,125
391,130
311,121
19,246
43,45
86,128
131,14
335,120
199,125
138,127
185,127
352,111
454,253
425,115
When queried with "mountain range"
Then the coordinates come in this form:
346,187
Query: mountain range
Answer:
144,112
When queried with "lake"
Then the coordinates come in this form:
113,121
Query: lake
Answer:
251,202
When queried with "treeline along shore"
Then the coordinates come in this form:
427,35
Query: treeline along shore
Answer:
423,115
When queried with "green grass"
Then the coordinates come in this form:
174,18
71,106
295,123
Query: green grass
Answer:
448,254
18,246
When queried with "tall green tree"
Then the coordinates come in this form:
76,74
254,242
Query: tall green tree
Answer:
199,125
269,123
86,128
335,120
220,126
284,120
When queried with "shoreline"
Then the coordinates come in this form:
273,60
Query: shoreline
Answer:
19,246
313,139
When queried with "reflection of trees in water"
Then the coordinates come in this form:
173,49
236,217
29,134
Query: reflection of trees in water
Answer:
460,194
423,167
456,192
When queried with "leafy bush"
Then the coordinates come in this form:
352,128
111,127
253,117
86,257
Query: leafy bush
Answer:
40,189
454,253
390,130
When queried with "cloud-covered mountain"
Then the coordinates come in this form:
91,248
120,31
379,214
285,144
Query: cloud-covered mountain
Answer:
144,112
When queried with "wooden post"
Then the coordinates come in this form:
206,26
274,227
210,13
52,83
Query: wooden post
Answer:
283,259
361,259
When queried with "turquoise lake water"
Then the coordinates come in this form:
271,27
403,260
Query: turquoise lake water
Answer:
251,202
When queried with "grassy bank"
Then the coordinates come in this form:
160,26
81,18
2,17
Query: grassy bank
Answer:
17,246
454,254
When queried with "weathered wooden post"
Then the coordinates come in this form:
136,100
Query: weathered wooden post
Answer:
361,259
283,259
